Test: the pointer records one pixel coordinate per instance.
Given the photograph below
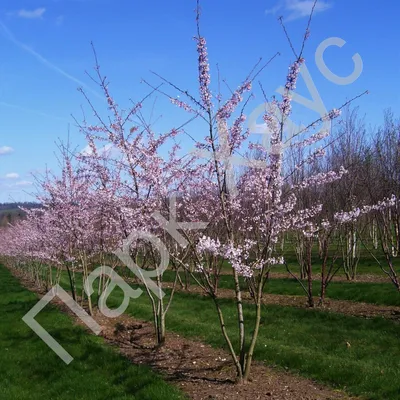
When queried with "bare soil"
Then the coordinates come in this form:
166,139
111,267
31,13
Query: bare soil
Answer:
362,278
199,370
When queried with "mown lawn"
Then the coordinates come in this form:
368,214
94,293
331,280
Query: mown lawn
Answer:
367,292
361,356
366,265
379,293
30,370
349,353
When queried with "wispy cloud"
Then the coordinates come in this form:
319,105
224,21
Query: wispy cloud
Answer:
59,20
12,175
296,9
31,111
23,183
6,150
31,14
76,1
102,151
9,35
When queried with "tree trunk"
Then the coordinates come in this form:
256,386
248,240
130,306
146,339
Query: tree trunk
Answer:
254,338
309,274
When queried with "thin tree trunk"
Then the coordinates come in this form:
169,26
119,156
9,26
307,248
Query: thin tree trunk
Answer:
254,338
309,275
239,305
238,366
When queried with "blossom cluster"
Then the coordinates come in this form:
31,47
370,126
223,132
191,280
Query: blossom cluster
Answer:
291,79
343,217
321,178
204,73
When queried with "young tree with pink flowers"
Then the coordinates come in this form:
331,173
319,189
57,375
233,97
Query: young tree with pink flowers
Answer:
251,211
122,185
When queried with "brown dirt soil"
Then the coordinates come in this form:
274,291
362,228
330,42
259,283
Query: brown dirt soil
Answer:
200,371
362,278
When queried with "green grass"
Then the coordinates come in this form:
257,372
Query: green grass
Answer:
30,370
366,266
373,293
379,293
311,343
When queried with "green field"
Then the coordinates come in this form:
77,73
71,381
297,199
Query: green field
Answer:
367,292
312,343
30,370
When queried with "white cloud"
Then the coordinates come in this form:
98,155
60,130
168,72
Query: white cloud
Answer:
6,150
23,183
31,14
59,20
102,151
12,175
295,9
274,9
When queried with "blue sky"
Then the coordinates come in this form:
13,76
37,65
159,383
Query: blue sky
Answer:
46,50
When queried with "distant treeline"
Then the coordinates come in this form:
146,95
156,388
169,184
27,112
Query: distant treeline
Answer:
10,212
13,206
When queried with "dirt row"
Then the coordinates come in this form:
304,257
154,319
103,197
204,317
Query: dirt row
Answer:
361,278
347,307
199,370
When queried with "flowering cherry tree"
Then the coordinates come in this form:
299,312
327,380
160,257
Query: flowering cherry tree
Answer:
122,184
251,210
